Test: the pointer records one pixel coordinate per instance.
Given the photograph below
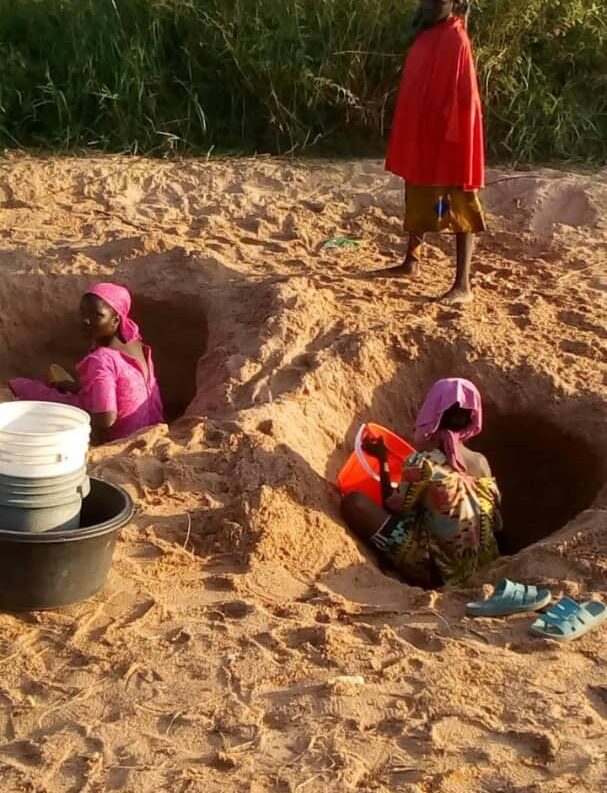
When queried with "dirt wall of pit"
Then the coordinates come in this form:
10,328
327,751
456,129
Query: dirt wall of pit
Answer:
277,352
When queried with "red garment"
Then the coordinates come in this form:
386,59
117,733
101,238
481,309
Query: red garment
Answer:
437,131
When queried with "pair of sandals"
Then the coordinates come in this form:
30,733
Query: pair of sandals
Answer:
564,621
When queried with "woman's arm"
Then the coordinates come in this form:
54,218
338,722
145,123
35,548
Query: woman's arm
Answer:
101,424
375,447
417,475
385,481
98,393
57,377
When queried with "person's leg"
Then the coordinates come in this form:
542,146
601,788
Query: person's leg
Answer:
411,263
420,217
363,516
461,291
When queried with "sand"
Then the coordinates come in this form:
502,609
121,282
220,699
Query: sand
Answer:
245,642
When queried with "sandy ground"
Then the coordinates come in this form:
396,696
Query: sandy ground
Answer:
213,659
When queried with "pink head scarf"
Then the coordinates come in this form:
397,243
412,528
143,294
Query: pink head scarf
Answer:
443,395
118,298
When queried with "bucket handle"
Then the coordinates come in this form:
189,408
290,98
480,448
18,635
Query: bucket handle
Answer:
362,459
358,448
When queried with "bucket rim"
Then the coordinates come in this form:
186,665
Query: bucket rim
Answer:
53,405
77,535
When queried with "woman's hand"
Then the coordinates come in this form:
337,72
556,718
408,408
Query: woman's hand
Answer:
67,387
375,447
395,504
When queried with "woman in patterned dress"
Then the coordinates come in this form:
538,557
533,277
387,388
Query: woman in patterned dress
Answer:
439,526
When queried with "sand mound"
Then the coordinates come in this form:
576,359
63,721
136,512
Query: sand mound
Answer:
213,661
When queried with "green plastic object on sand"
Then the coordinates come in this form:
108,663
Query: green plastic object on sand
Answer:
339,242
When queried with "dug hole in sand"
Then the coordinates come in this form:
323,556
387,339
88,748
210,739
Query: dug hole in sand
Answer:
245,641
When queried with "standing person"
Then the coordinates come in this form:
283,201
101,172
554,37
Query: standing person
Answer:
437,142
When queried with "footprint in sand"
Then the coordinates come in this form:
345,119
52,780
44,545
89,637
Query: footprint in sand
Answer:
454,734
234,609
597,695
251,223
219,583
579,321
274,247
285,236
423,639
600,284
300,637
23,754
496,272
519,310
269,641
579,348
448,316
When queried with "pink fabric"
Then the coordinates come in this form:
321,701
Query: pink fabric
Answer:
443,395
36,390
109,381
118,298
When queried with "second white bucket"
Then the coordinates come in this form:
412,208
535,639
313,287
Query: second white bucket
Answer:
42,439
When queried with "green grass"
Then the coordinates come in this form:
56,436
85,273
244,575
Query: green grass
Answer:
199,76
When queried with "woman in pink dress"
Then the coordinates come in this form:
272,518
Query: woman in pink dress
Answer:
116,380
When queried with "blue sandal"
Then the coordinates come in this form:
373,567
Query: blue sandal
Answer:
568,620
510,598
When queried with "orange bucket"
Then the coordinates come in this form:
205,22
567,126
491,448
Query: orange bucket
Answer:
361,472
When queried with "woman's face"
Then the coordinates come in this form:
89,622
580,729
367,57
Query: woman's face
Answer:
456,419
98,320
435,11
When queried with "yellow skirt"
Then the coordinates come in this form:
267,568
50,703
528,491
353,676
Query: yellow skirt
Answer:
451,209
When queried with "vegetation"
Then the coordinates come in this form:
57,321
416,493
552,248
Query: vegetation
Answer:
202,76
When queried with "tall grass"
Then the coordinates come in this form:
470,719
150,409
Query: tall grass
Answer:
286,75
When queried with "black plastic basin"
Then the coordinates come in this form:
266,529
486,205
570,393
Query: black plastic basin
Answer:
58,568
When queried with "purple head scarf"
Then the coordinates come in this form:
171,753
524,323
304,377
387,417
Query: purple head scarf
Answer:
443,395
118,298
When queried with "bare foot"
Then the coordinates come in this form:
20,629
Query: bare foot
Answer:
458,296
408,267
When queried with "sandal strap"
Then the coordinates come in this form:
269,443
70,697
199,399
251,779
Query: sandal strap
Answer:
565,608
557,621
566,614
530,594
504,589
520,594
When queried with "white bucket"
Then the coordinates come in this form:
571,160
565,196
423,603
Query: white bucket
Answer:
42,439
